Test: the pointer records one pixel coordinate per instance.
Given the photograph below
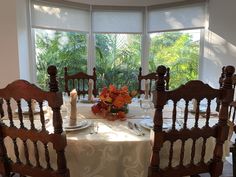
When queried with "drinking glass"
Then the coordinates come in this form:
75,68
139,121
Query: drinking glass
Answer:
146,104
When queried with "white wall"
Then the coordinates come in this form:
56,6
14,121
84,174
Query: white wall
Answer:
220,40
9,63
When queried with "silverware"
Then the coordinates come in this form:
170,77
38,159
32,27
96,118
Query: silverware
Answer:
139,129
131,126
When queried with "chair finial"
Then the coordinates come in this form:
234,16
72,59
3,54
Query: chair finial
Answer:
53,84
160,83
227,81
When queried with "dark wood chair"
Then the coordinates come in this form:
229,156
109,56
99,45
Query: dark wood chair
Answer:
22,131
191,90
232,114
80,81
151,77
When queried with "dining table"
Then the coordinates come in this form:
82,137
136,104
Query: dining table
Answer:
118,148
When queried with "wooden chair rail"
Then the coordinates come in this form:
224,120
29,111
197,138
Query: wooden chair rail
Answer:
35,93
58,142
183,171
193,133
38,172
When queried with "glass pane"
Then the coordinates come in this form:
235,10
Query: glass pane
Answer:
118,58
177,50
61,49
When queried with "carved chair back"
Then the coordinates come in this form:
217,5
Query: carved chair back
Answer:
151,79
80,82
198,133
27,135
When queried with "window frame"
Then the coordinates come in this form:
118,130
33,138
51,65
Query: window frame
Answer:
91,59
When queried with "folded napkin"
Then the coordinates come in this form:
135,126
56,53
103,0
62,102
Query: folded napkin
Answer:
73,111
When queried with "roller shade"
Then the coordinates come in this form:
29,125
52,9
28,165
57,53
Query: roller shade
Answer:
51,16
117,21
175,18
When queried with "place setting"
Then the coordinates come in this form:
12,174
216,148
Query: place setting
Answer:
71,122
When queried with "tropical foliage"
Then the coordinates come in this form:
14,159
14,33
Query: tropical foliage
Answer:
118,56
60,49
179,52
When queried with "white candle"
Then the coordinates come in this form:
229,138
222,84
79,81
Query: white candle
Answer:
73,111
90,90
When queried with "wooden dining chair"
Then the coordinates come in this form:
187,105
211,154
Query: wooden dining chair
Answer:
192,138
80,82
232,122
24,140
151,77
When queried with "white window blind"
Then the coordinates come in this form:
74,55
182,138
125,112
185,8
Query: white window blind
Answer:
175,18
50,16
117,21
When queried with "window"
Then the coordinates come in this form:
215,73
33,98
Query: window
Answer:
118,59
61,49
178,50
115,41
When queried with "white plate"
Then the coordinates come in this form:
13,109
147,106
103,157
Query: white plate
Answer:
82,125
79,123
148,124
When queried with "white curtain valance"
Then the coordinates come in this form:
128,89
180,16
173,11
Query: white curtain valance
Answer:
183,17
50,16
117,21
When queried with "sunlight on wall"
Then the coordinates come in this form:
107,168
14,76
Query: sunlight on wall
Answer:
217,53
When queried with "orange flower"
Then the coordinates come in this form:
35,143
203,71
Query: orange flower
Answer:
113,99
121,114
95,109
119,101
112,88
127,98
124,90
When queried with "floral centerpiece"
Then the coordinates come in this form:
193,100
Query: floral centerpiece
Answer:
113,102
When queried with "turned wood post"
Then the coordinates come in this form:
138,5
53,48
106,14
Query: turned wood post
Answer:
223,128
158,121
66,81
139,83
57,120
167,78
1,107
95,91
220,85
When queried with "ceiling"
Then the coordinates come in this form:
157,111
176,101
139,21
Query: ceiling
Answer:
124,2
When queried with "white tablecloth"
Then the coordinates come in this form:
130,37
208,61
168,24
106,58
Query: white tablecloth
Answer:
116,150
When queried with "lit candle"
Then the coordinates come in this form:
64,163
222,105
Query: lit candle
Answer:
90,90
73,111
